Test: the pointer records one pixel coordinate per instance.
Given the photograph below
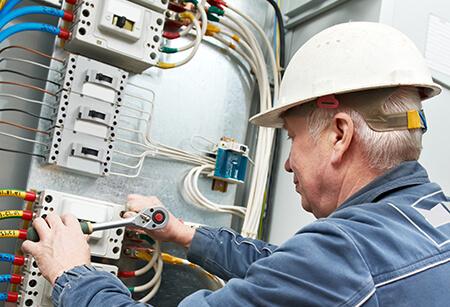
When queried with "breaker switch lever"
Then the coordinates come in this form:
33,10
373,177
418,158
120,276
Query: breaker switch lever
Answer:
102,77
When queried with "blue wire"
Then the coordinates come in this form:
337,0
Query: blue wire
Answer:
29,10
3,296
5,278
8,7
29,26
7,257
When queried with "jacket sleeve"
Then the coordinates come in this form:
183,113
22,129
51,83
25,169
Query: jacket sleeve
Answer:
319,266
86,286
225,253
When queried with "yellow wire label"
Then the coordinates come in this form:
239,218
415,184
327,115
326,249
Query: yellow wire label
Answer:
9,233
10,213
13,193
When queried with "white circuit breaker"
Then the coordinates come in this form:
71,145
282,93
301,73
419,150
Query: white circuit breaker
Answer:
104,243
36,291
118,32
107,244
82,139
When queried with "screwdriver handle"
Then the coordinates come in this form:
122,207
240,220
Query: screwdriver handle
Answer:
32,234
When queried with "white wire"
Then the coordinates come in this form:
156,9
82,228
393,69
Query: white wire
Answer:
156,277
152,293
197,197
30,62
265,135
27,100
197,16
149,265
198,40
268,45
23,139
202,150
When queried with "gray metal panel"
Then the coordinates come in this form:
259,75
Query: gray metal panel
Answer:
210,96
15,167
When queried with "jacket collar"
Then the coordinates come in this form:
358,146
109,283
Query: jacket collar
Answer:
405,174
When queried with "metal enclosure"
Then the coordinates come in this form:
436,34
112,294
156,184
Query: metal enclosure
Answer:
410,17
211,96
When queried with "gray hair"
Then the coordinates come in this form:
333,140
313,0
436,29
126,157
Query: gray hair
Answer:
381,150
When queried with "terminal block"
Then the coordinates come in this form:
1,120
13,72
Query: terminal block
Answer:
118,32
87,115
36,291
104,243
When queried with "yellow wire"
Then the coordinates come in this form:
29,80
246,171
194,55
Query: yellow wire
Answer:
171,259
9,233
144,255
2,3
11,214
13,193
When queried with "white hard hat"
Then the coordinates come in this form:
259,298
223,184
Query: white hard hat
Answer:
346,58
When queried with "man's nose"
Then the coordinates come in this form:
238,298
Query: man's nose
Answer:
287,164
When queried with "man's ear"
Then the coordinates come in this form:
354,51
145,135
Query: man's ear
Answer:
341,130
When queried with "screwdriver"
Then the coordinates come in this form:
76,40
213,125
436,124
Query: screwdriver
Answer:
149,218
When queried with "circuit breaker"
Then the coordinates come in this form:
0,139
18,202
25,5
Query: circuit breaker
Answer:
82,139
34,290
118,32
105,243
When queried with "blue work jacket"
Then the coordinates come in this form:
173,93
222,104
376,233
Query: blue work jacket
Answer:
386,245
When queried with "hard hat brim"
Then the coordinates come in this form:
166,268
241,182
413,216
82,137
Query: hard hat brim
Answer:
272,117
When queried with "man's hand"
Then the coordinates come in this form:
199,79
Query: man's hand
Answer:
62,245
175,231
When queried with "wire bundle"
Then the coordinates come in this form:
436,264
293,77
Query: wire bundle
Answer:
155,261
193,192
6,15
148,146
194,45
253,54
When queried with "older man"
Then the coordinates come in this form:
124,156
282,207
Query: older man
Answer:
351,103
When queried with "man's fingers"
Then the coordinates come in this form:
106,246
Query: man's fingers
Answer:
29,247
53,220
42,228
70,220
133,196
128,214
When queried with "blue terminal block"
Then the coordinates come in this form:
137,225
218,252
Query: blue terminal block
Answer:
230,166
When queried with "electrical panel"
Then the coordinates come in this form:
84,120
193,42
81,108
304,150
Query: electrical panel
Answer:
104,243
102,125
118,32
36,291
82,139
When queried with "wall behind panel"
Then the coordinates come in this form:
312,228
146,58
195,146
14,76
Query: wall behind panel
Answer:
410,17
15,167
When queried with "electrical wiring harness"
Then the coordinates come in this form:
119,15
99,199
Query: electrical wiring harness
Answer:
155,261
